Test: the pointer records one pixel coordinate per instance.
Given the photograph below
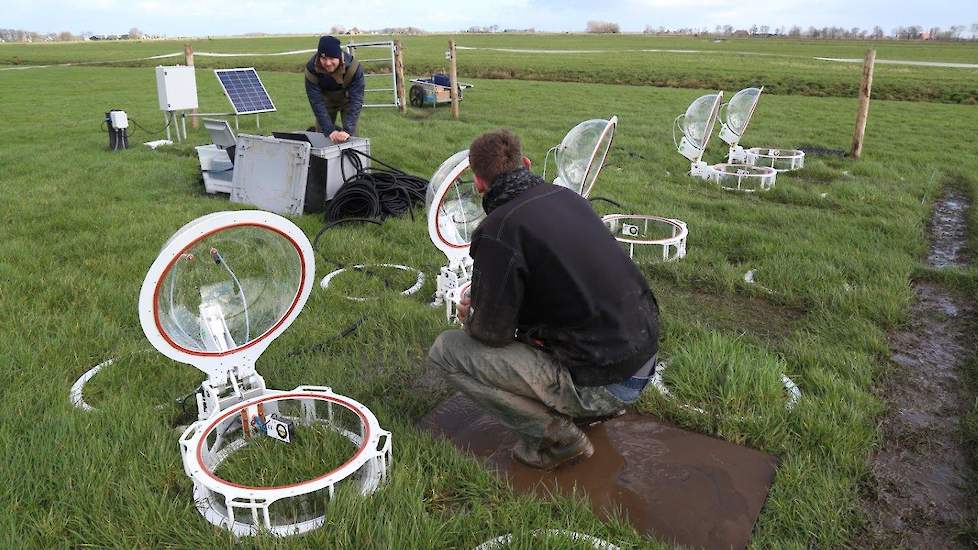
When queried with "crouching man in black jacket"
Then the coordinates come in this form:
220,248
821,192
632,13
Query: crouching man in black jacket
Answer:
561,326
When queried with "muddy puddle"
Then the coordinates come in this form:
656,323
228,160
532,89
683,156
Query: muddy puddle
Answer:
918,495
949,230
670,484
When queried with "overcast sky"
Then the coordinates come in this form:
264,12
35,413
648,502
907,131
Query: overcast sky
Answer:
222,17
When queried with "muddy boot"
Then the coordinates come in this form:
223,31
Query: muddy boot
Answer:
548,454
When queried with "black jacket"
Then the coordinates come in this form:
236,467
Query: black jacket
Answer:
318,83
546,268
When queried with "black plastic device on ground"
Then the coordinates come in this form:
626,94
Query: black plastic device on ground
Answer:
118,137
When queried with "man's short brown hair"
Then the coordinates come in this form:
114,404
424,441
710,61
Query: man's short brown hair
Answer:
494,153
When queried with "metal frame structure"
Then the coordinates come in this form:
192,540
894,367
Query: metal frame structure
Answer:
351,48
234,392
782,160
631,234
743,177
247,510
454,279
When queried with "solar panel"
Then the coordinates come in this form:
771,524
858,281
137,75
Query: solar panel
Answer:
245,90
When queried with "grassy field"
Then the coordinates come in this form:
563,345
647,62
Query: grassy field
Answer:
784,66
833,248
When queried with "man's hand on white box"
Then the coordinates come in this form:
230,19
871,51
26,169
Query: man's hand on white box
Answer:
339,136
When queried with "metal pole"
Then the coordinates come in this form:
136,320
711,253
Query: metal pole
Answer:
865,89
453,75
166,124
188,52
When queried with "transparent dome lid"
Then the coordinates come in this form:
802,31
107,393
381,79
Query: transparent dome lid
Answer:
582,153
740,109
454,206
228,289
700,118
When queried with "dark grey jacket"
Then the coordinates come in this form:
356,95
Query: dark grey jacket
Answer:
549,271
325,84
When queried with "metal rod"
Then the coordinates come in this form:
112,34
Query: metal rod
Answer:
374,59
453,76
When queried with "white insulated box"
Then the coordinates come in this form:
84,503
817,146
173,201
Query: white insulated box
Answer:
176,88
336,165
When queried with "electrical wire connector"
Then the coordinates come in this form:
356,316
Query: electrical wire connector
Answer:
274,427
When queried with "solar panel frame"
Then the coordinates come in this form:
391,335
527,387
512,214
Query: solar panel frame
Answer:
243,93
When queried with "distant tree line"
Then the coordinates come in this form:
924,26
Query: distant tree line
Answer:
20,35
912,32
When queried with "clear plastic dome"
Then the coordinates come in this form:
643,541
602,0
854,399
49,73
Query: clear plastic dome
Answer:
228,289
700,118
459,206
740,109
582,153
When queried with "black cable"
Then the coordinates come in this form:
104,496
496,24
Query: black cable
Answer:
140,126
609,201
374,193
321,346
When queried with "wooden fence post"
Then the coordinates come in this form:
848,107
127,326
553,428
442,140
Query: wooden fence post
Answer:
453,77
399,75
188,52
865,90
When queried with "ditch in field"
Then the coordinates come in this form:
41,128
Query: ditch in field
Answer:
918,494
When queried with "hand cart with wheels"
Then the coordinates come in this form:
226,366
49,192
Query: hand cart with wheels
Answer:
433,91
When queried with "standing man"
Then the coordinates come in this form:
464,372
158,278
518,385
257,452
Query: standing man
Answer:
561,326
334,84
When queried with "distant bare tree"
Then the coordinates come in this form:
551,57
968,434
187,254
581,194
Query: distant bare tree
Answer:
603,27
974,30
65,36
337,29
135,33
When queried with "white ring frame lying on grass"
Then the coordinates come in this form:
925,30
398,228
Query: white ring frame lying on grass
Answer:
418,283
673,245
743,177
246,510
76,394
782,160
794,393
77,399
506,540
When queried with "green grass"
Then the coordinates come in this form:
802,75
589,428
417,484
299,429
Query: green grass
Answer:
265,462
835,246
784,66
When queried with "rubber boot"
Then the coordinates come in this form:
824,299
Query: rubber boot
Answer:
565,443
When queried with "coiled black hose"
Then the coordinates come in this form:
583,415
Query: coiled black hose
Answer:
374,193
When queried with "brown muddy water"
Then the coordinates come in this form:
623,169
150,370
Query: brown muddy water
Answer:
918,495
671,484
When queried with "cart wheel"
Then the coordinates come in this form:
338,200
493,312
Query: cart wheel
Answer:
417,96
